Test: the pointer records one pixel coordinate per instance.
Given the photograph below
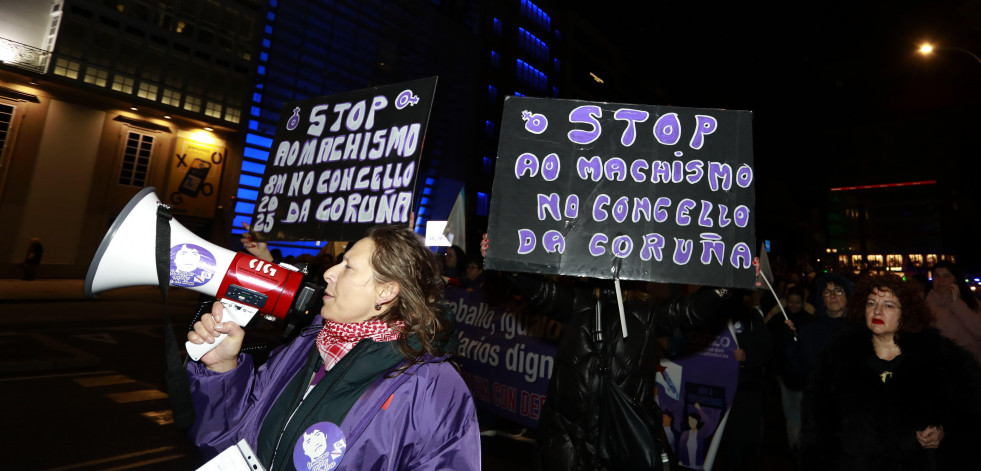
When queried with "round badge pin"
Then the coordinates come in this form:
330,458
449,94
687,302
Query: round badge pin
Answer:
320,448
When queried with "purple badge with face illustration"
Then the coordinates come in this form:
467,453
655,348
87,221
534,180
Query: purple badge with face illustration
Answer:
321,448
191,265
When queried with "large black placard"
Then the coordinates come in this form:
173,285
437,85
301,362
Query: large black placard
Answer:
342,163
636,192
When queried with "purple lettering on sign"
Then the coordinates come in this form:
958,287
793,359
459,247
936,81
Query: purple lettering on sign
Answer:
724,216
591,168
535,123
526,162
703,219
742,256
615,169
719,171
572,206
704,125
744,176
632,117
682,250
681,216
712,245
599,214
741,215
553,241
694,169
662,172
661,214
638,169
550,167
621,209
653,247
594,244
548,204
526,241
622,246
667,129
642,209
586,114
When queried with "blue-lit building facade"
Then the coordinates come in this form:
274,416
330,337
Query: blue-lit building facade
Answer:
102,98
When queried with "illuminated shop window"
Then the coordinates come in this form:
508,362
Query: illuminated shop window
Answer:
96,76
147,90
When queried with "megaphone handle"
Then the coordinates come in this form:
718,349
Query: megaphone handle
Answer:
238,313
197,350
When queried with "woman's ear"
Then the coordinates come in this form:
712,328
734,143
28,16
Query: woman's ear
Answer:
388,292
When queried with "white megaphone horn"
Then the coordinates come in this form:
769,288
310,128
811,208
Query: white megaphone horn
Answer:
244,284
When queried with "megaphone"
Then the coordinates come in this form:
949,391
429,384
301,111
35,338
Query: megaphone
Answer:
244,284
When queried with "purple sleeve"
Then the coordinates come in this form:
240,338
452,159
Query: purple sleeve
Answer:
220,401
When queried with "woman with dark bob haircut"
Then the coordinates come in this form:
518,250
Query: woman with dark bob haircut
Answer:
890,392
367,386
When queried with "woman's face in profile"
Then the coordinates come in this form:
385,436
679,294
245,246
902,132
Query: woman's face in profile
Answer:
351,291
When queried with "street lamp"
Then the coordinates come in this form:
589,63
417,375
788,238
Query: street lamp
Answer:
927,49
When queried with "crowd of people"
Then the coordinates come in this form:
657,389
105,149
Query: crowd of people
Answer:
871,372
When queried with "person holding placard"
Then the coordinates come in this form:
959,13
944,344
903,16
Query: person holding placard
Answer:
367,386
584,425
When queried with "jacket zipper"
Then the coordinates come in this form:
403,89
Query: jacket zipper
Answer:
354,353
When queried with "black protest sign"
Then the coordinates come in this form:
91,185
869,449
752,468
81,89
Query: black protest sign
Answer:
634,192
342,163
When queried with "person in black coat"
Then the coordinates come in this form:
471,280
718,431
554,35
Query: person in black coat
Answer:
569,430
891,393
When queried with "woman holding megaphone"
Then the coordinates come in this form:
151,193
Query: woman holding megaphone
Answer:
367,386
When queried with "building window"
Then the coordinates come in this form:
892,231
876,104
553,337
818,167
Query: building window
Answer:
529,75
67,68
233,115
136,159
531,44
495,59
192,103
483,204
535,14
123,83
96,76
497,27
6,121
489,128
147,90
213,109
171,97
488,167
492,94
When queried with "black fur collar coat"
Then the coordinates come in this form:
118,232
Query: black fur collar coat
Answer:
855,420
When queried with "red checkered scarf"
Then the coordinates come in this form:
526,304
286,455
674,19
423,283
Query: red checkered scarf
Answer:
336,339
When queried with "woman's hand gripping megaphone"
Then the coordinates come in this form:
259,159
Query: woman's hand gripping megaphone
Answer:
217,339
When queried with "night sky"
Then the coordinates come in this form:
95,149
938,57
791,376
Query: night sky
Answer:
839,94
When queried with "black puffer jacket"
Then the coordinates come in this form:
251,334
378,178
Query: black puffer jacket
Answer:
569,435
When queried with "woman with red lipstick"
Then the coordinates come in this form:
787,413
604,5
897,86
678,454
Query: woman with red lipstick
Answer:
367,386
891,393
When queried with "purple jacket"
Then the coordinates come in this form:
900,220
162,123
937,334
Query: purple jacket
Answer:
418,420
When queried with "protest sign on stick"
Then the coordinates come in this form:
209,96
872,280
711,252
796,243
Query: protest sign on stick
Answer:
342,163
637,192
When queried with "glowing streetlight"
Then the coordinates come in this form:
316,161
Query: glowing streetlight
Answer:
927,49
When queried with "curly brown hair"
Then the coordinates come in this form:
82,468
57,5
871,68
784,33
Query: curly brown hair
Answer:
401,257
914,316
